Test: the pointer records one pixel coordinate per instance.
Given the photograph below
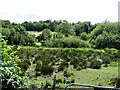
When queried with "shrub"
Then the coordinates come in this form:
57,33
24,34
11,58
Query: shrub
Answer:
114,64
75,43
24,66
10,70
79,68
63,65
46,69
75,62
71,42
58,80
67,72
95,64
115,82
38,66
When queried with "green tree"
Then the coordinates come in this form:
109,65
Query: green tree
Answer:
46,34
65,28
84,36
108,40
82,27
5,23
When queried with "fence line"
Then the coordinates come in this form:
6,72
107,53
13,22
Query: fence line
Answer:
93,86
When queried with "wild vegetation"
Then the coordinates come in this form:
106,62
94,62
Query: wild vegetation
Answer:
40,50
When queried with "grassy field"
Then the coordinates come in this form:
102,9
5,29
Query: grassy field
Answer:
34,33
85,76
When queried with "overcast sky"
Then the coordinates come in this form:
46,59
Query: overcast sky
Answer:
71,10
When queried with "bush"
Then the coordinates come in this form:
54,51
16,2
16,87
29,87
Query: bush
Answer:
46,70
67,72
114,64
79,68
95,64
38,66
71,42
24,66
115,82
75,62
75,43
62,66
58,81
10,70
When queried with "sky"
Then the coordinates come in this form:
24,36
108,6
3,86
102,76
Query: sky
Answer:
71,10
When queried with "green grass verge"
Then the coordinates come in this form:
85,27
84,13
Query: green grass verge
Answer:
86,76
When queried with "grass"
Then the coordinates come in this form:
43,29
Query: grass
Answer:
96,77
85,76
34,33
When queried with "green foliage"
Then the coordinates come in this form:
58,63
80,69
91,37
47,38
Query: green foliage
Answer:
46,70
41,25
67,72
82,27
105,35
10,71
95,64
61,58
38,66
101,35
18,36
53,43
58,35
78,56
63,65
71,42
107,40
65,28
115,82
5,23
114,64
46,34
24,66
74,42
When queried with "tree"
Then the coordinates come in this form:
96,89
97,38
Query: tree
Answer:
107,40
17,35
19,28
84,36
65,28
82,27
46,34
5,23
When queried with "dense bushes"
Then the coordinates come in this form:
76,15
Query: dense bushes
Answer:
105,35
71,42
44,69
18,36
79,58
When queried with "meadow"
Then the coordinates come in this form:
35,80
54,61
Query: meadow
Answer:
67,71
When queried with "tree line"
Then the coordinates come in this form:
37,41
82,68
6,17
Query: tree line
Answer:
63,34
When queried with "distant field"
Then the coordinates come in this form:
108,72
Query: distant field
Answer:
34,33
